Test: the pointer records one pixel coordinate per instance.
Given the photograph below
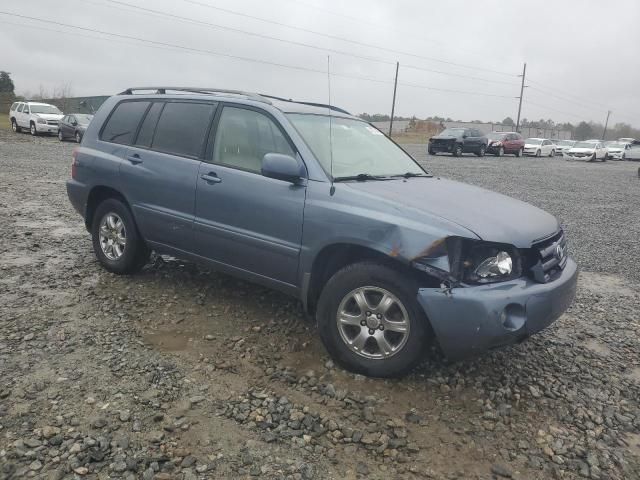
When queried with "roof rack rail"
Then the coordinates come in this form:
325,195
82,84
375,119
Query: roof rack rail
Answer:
312,104
207,90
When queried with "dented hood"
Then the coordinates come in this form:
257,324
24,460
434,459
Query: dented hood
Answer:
491,216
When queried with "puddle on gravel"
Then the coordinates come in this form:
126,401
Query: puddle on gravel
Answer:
167,341
633,439
597,347
16,260
634,374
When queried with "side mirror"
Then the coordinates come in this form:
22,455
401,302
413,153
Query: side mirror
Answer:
74,123
465,135
282,167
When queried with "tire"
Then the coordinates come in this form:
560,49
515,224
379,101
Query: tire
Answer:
32,130
133,252
377,279
520,152
500,152
430,151
538,153
593,158
482,151
78,137
60,136
14,126
457,151
553,153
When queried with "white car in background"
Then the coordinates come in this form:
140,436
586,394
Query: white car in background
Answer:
588,150
633,152
616,150
538,147
35,116
563,145
626,140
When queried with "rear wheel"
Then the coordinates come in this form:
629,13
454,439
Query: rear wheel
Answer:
14,126
370,321
116,241
33,130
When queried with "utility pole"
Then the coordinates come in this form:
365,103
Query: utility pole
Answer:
606,123
524,73
393,105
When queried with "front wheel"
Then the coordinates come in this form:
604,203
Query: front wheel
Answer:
78,137
431,151
500,152
457,151
370,321
116,241
60,136
593,158
520,152
33,129
482,151
538,153
553,153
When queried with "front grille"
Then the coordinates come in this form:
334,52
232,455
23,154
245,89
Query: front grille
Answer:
52,122
551,255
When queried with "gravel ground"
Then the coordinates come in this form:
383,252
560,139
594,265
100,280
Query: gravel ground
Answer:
181,373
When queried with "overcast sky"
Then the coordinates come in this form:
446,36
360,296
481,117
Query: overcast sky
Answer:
581,54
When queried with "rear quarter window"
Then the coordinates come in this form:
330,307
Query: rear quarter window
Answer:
14,106
123,122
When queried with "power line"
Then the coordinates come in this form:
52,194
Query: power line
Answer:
291,42
344,39
175,47
528,102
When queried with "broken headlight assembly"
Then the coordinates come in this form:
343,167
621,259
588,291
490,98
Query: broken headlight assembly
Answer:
470,261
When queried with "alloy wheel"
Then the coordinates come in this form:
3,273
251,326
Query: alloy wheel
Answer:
113,236
373,323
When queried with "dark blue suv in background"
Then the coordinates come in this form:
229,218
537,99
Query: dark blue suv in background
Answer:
310,200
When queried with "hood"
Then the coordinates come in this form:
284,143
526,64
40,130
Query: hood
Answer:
532,145
491,216
582,150
615,149
49,116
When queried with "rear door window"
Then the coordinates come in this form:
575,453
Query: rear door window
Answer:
182,128
122,124
20,107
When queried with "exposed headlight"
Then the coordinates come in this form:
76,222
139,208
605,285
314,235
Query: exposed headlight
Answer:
497,266
464,260
496,144
41,120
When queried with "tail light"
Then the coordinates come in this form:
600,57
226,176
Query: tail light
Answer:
74,163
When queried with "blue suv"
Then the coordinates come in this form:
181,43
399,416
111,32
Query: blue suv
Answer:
310,200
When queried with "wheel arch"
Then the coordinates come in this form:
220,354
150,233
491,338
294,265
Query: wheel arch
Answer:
332,258
97,195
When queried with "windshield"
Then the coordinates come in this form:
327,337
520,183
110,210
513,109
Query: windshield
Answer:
45,109
358,148
566,143
495,136
83,118
454,132
584,145
533,141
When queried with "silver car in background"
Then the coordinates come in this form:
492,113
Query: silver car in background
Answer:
563,145
615,150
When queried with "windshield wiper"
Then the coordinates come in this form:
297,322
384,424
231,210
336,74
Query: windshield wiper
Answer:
361,177
411,174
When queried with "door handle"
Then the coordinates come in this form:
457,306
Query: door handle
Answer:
211,177
134,159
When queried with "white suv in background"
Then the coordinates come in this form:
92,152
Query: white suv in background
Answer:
36,117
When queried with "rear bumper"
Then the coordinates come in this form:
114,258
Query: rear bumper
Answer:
470,320
77,193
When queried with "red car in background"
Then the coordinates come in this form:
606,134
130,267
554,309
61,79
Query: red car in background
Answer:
501,143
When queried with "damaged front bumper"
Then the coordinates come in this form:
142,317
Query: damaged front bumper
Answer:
469,320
